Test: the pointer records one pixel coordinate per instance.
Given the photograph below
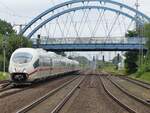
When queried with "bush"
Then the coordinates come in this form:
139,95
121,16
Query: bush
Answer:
131,62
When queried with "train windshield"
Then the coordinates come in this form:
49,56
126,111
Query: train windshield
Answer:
22,57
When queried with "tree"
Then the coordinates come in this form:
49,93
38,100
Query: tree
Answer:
16,41
117,59
131,56
12,42
61,53
131,62
146,65
1,61
147,35
6,27
130,33
84,62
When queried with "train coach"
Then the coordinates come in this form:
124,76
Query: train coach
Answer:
28,64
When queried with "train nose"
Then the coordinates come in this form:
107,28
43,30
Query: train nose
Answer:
19,77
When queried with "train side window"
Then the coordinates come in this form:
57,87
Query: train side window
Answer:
36,64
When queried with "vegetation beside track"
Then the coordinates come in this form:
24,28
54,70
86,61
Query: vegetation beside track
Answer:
4,76
143,72
111,68
137,65
143,77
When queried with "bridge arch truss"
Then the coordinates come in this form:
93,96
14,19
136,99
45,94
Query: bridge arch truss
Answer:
71,6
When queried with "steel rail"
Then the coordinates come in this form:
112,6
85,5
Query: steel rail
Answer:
62,103
126,107
129,94
139,82
10,90
4,81
43,98
5,87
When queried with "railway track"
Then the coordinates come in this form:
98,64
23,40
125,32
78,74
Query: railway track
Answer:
4,83
115,98
94,92
53,100
12,103
91,98
140,83
139,92
128,101
60,105
5,87
9,90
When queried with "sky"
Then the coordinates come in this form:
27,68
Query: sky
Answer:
22,11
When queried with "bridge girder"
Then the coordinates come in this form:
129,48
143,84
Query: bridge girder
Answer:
91,47
121,5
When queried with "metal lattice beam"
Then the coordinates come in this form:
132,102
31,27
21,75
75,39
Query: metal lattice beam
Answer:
121,5
81,8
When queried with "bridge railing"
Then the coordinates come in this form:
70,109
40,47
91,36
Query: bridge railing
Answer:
86,40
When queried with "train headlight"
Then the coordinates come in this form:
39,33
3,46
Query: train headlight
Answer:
25,71
14,70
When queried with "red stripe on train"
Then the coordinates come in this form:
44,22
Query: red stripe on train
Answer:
39,69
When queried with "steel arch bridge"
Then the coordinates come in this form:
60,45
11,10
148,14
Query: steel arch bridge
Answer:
72,6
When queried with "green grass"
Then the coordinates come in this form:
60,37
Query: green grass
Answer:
144,77
112,69
4,76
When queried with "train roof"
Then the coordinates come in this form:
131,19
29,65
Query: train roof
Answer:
29,50
44,53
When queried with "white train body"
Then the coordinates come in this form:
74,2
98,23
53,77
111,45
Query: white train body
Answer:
28,64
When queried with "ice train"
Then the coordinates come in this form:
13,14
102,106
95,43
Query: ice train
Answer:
28,64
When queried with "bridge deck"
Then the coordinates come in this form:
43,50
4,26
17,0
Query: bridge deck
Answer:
91,44
91,47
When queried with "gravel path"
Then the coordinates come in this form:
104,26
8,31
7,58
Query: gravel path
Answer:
16,101
91,98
